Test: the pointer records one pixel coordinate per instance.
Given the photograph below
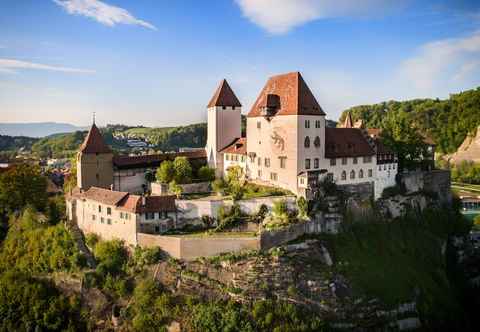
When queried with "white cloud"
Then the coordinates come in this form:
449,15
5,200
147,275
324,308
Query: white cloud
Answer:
279,16
102,12
11,65
442,62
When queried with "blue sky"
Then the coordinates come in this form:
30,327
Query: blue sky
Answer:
157,63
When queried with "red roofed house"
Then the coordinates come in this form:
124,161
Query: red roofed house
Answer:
120,215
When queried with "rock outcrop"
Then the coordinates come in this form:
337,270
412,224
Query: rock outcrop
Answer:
469,150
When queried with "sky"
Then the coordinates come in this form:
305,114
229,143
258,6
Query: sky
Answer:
158,62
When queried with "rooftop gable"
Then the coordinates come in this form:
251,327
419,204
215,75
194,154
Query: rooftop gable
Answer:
289,94
224,96
94,142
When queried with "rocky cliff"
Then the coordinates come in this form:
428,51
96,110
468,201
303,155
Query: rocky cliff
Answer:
469,150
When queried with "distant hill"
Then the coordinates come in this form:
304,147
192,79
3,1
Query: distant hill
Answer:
37,129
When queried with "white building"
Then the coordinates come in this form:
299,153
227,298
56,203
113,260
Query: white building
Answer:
287,144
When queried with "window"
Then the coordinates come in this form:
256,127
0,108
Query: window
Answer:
315,163
393,166
367,159
97,176
355,160
243,159
227,156
283,162
344,161
307,123
224,107
259,173
259,125
267,162
360,174
370,172
273,176
302,180
307,142
94,217
109,221
259,161
233,107
307,163
352,174
102,220
317,123
333,162
150,215
316,142
99,208
109,211
380,167
344,176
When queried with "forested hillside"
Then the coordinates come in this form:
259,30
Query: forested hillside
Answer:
65,145
447,121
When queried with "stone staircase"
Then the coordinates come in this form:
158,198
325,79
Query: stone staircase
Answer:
80,240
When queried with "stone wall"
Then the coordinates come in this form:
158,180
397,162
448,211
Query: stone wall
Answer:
189,188
189,248
436,182
360,191
194,209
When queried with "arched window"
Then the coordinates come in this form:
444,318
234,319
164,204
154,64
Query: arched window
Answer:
352,174
316,142
344,175
360,174
307,142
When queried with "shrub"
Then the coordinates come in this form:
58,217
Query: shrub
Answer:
261,214
206,173
166,172
112,256
183,170
302,206
391,191
219,186
174,188
229,219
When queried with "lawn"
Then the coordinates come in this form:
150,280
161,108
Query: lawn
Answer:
253,190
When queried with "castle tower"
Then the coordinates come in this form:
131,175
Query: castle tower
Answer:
224,124
94,162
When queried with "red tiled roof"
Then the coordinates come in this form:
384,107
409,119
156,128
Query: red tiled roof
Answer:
292,97
346,142
239,146
105,196
224,96
133,203
94,142
154,160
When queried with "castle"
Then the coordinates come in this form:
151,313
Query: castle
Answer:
287,145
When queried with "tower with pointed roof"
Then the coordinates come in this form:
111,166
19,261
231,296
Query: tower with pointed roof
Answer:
94,162
224,124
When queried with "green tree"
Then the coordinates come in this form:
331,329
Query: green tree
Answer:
22,185
183,170
219,186
112,256
175,188
149,176
235,181
302,206
206,173
28,304
166,172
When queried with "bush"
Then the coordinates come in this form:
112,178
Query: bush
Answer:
206,173
166,172
38,248
229,219
28,304
183,170
175,189
219,186
302,206
112,256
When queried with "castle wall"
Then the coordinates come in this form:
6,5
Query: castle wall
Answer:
131,180
94,170
224,125
107,226
274,139
384,177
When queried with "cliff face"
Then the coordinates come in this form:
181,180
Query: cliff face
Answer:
469,150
